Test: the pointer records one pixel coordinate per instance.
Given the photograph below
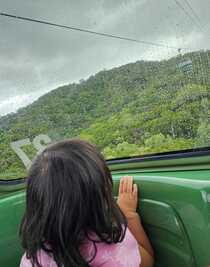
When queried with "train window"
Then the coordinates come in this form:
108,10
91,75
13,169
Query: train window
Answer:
117,73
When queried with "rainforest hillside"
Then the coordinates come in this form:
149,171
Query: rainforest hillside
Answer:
139,108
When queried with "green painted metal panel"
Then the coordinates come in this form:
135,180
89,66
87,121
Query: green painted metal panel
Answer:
11,210
167,234
183,198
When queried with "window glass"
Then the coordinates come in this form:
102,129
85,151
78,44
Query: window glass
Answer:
131,76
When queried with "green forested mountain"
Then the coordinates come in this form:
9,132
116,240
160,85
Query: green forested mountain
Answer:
138,108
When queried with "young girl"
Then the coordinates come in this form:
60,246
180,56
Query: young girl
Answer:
71,217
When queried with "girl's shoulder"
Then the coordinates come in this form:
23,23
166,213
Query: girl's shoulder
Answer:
122,254
44,259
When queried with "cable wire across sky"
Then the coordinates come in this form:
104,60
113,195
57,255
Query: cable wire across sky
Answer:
195,15
192,16
12,16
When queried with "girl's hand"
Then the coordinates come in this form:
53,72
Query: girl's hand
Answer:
128,195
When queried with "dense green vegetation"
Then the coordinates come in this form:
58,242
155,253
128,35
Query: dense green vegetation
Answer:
140,108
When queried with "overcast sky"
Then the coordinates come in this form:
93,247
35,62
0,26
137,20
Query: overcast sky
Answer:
35,59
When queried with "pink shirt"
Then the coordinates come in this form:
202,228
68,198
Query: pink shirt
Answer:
124,254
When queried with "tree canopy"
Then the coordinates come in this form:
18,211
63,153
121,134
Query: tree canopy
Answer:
139,108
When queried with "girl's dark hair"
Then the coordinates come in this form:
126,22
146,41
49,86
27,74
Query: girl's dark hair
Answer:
68,196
